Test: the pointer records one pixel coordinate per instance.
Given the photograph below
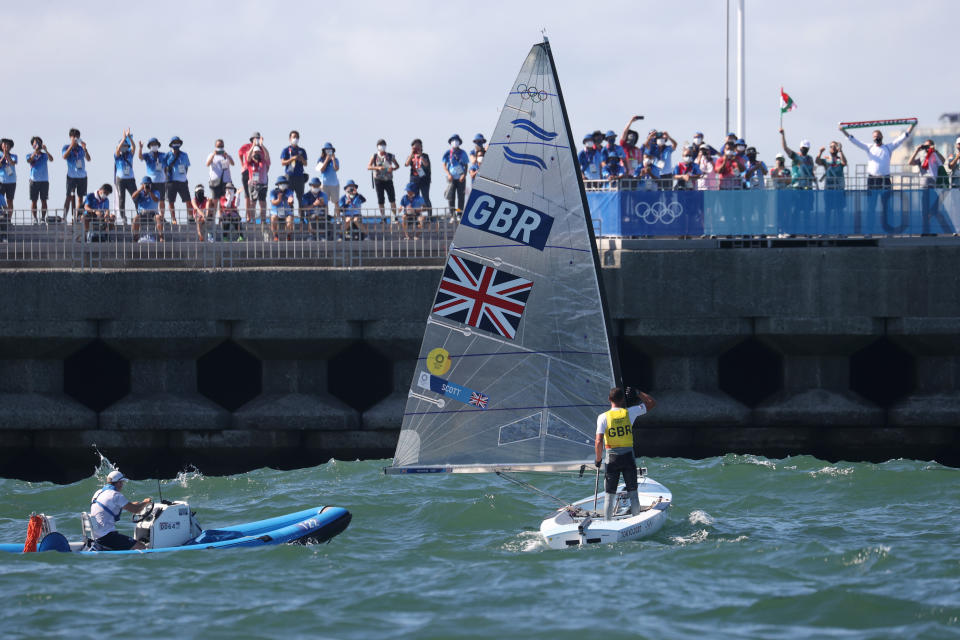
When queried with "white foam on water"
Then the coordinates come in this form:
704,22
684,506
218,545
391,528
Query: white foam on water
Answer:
700,517
832,472
865,555
696,537
184,477
526,542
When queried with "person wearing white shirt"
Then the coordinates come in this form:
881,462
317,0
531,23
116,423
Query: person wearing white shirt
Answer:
878,156
105,508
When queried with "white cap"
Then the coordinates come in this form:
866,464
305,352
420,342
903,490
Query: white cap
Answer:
805,143
115,476
779,155
958,140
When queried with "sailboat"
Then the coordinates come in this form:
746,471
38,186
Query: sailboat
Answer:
516,360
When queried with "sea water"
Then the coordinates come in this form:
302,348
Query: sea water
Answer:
753,548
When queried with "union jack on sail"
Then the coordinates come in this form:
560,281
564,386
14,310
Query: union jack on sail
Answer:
478,400
483,297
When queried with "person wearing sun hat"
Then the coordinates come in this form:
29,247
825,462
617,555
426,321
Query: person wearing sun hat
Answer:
105,508
455,163
351,207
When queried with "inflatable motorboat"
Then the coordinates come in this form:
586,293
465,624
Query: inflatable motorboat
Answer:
172,526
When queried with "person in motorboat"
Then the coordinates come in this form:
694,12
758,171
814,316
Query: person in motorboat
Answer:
105,508
615,435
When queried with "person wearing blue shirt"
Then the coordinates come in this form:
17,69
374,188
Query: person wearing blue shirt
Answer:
4,218
455,163
327,166
8,171
314,210
147,200
612,148
281,208
96,208
39,177
351,208
613,169
294,159
156,170
647,175
412,206
687,172
123,171
590,159
77,156
176,163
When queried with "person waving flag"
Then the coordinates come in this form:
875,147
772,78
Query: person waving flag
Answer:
786,104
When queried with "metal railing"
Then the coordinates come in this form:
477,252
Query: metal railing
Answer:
221,241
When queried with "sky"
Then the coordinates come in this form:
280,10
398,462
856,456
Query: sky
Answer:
351,73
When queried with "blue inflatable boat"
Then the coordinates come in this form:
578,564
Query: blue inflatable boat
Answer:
172,526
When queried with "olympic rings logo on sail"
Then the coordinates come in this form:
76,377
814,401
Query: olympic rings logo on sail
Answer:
658,212
531,93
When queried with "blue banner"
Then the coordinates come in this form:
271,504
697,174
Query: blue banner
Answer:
452,390
774,212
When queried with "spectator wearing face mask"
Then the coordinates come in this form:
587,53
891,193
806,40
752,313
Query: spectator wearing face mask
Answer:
351,207
833,166
382,164
741,148
632,154
479,148
780,174
929,160
647,175
475,162
412,206
455,163
729,169
147,200
76,154
698,141
755,171
878,156
613,169
294,160
96,212
218,164
8,172
201,205
123,178
177,163
591,164
230,213
419,164
953,164
281,208
39,177
253,141
611,148
687,172
156,170
327,167
314,210
801,164
664,159
707,163
257,164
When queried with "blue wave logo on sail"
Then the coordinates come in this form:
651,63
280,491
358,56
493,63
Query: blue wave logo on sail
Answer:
533,129
523,158
452,390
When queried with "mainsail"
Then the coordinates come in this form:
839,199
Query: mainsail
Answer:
515,362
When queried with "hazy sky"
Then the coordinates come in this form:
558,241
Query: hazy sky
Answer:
352,72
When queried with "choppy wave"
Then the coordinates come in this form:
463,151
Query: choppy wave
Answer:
753,548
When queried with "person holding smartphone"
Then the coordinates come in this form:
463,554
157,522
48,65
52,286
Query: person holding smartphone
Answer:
39,177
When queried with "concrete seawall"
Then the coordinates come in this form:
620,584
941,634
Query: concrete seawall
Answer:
840,352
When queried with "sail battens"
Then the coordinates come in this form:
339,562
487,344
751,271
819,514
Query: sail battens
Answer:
521,281
573,465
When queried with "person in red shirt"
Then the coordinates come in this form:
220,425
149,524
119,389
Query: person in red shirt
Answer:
729,168
632,154
242,156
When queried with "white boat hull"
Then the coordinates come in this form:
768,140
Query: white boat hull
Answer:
579,524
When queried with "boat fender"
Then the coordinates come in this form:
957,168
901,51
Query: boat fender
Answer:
54,541
34,530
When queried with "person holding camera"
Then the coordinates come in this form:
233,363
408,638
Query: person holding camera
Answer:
419,164
383,164
230,213
257,164
294,159
327,167
39,177
218,163
96,209
314,210
77,157
8,172
281,208
953,165
929,160
632,154
351,206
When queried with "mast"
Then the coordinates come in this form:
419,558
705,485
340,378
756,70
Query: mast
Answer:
614,357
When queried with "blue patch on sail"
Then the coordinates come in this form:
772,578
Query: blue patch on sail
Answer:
533,129
523,158
452,390
507,219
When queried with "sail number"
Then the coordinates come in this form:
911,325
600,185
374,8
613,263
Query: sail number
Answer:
507,219
618,432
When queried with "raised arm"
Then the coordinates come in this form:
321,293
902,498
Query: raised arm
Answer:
853,140
783,141
626,129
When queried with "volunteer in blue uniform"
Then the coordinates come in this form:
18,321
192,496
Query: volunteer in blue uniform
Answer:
156,170
105,508
615,434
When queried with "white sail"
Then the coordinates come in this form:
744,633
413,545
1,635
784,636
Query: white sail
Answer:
515,362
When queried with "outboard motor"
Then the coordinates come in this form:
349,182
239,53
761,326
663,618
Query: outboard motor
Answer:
166,524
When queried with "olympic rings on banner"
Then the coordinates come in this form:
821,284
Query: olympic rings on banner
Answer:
661,212
531,93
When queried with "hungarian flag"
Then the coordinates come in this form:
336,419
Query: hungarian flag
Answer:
786,102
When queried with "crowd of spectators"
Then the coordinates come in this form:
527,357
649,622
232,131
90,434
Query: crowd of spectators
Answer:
624,161
656,162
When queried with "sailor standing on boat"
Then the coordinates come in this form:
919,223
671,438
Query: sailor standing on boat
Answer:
105,509
615,434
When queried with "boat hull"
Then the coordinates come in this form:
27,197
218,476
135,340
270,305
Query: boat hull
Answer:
309,526
579,525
